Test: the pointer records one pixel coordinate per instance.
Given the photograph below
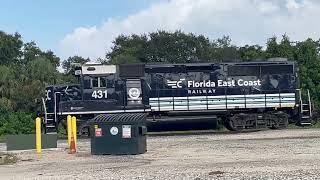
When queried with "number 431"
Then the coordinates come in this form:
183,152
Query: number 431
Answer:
99,94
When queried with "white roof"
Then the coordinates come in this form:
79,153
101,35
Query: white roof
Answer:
99,69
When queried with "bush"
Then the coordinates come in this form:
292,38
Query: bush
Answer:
16,122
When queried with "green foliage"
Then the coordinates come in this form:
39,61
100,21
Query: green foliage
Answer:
250,53
161,47
42,70
6,104
67,64
306,53
222,50
25,70
16,122
10,48
31,52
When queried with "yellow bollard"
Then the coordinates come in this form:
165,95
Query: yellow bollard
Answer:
74,129
38,135
69,128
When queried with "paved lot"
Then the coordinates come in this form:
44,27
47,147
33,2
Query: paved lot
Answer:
273,154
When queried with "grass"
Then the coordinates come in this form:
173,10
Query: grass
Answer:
314,126
62,132
6,158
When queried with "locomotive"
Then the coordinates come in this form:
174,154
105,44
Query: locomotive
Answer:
241,95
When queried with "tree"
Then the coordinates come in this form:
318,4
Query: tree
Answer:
41,69
284,49
5,81
251,52
177,47
222,50
160,46
272,48
31,51
53,59
67,64
128,49
287,48
307,55
10,48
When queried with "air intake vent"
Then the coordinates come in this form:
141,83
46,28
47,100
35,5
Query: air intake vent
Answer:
131,70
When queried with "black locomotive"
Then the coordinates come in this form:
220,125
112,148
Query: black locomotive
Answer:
247,95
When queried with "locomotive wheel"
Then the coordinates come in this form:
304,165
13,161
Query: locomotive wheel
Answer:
235,123
280,121
230,125
274,124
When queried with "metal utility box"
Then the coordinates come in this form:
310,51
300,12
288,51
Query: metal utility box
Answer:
118,134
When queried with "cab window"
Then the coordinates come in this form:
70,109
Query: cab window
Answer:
98,82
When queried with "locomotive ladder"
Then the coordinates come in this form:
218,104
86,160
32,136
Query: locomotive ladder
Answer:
305,110
49,120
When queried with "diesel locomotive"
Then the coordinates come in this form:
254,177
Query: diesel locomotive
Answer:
241,95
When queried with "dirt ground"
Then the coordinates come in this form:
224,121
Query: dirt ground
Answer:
272,154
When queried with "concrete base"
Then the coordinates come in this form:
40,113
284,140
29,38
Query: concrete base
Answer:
28,141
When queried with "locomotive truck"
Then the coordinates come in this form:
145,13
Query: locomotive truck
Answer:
241,95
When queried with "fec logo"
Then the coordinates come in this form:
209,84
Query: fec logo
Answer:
175,84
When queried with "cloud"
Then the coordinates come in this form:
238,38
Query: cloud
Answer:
245,21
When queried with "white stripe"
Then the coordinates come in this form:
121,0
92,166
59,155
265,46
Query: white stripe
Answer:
219,102
212,107
282,95
248,101
101,112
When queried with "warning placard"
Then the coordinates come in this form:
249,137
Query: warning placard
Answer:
98,132
126,131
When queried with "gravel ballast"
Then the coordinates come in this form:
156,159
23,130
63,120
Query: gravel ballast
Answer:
271,154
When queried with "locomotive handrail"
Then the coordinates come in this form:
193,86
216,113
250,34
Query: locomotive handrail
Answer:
245,101
265,100
309,100
300,101
279,100
226,97
55,105
172,100
44,108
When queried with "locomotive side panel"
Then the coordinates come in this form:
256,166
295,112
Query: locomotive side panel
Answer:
244,95
221,87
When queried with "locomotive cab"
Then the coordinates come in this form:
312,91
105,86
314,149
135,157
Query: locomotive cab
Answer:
101,90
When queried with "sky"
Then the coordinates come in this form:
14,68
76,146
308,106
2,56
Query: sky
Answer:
87,28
